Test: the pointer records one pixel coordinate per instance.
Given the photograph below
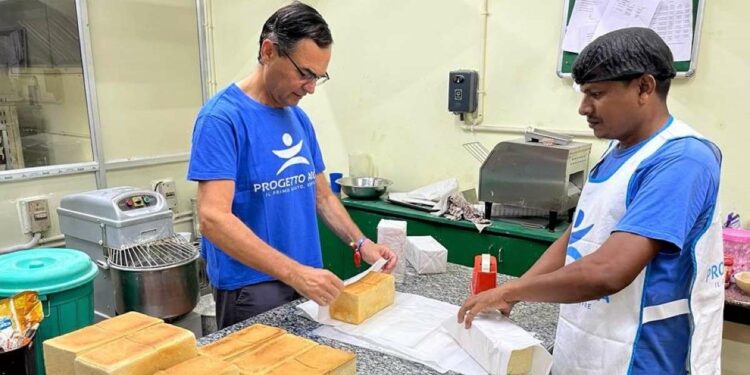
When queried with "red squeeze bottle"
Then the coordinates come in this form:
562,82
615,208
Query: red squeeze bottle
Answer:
728,263
484,276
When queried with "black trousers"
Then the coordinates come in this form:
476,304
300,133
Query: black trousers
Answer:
234,306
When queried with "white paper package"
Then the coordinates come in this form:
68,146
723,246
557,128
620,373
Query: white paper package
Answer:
426,255
493,339
392,233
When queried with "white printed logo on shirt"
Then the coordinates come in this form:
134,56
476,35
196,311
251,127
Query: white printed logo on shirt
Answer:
290,153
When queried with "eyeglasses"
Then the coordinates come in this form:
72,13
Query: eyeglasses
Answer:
307,75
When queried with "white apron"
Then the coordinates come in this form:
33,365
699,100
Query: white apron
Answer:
597,337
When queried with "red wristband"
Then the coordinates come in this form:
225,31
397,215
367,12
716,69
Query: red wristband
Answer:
357,247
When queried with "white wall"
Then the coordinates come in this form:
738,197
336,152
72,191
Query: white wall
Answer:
391,58
387,96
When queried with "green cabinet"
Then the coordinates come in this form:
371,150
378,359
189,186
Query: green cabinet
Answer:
516,246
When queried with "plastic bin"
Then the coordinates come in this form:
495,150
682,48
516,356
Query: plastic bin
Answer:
737,244
64,280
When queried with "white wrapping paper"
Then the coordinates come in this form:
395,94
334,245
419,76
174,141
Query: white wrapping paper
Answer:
392,233
409,329
491,340
426,255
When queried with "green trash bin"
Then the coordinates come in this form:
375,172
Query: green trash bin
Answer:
64,279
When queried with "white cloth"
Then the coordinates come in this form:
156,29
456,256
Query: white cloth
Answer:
459,208
597,337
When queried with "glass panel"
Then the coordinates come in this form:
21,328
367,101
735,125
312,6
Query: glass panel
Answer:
43,117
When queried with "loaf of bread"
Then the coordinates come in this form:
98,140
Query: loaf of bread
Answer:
493,340
128,323
120,357
322,360
364,298
272,354
144,352
520,361
202,365
60,352
240,342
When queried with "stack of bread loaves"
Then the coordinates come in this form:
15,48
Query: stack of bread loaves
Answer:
136,344
131,343
261,349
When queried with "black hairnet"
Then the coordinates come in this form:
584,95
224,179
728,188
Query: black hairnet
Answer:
624,54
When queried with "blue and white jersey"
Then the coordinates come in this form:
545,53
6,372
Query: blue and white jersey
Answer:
669,319
273,157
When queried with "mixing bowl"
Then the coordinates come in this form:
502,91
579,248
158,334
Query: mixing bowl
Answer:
363,187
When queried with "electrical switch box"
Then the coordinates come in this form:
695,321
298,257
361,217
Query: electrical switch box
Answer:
462,91
168,189
34,215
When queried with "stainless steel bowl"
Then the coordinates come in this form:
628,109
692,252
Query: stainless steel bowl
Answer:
167,293
363,187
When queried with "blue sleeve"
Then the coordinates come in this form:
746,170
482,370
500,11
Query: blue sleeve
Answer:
317,155
213,155
672,191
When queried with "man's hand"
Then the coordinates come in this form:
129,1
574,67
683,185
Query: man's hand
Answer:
494,299
317,284
371,252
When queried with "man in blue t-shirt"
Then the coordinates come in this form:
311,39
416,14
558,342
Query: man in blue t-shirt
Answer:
260,178
639,275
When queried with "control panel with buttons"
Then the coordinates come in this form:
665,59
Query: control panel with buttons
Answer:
136,201
462,91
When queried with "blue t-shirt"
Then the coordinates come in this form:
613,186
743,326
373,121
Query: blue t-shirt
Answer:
273,157
672,193
671,197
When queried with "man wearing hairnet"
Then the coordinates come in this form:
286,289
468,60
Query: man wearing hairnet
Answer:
639,275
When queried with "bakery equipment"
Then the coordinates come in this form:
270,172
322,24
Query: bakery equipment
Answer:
158,278
144,265
542,171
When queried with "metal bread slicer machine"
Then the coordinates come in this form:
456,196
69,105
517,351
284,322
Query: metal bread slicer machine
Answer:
542,171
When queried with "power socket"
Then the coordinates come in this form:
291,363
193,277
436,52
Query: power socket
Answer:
33,213
168,189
